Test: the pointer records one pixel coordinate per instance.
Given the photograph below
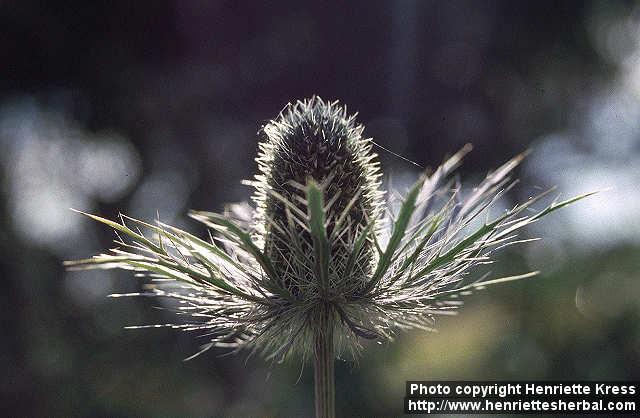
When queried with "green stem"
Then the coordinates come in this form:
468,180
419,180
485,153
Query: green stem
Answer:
323,351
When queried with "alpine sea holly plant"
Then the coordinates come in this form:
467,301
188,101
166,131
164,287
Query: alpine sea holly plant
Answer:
323,262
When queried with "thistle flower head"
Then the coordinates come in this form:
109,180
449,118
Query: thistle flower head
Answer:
314,150
312,250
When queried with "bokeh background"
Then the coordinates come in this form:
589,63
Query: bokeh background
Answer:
153,107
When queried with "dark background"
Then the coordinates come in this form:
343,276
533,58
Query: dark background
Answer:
154,106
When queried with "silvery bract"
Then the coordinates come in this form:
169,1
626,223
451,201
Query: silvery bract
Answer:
322,250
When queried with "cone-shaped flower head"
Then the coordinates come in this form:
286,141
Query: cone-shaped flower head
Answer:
317,142
311,255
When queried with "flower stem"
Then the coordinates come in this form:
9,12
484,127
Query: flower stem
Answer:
324,365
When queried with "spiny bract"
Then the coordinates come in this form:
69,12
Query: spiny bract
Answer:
320,247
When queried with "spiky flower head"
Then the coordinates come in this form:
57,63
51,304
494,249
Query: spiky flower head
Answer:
314,150
319,252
